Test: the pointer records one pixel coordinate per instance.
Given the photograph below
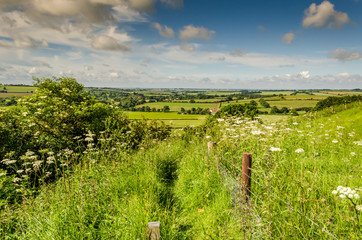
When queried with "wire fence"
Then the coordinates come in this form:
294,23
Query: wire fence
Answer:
233,172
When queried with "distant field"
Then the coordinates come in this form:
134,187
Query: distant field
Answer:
339,92
273,118
17,94
173,119
293,103
276,92
18,89
176,106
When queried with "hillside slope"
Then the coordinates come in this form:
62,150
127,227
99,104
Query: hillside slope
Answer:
196,195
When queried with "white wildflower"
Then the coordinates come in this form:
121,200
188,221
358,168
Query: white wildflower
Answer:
334,192
295,123
334,141
220,119
274,149
359,207
299,150
256,132
16,179
208,137
342,196
353,153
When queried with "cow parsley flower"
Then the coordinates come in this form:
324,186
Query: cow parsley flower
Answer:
274,149
299,150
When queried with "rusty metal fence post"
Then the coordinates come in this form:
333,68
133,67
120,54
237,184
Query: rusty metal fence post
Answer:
246,176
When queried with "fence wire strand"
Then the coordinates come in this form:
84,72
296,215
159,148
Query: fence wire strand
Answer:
276,196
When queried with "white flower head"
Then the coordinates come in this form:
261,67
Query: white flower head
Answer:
274,149
334,141
299,150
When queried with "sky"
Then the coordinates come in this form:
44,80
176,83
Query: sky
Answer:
233,44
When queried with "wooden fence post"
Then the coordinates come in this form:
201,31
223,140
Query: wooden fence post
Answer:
154,231
246,176
210,146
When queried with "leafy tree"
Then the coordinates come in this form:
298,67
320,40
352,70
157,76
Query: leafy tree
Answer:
165,108
246,110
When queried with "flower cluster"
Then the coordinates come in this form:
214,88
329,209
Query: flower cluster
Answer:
346,192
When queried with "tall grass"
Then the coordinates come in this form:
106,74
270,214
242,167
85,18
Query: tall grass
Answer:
114,194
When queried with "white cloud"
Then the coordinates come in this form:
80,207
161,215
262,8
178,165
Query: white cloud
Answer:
288,38
114,75
186,47
44,43
344,55
324,15
164,31
237,53
190,32
103,42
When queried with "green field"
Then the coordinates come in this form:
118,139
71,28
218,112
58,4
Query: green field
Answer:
17,94
18,89
176,106
173,119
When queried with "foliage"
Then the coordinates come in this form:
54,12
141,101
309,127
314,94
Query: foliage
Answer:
39,136
332,101
246,110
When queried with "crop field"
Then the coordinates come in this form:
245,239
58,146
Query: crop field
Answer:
173,119
18,89
17,94
293,103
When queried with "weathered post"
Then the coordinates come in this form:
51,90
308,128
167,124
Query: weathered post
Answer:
154,231
210,146
246,175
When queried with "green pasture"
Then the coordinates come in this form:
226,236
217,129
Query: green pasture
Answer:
18,89
17,94
293,103
173,119
276,92
273,118
176,106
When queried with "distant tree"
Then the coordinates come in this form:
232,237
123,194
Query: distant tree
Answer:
166,109
253,103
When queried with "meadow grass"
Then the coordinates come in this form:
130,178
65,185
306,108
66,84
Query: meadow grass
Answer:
195,194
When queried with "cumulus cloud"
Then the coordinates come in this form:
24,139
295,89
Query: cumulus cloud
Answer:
288,38
164,30
68,22
103,42
322,15
190,32
18,41
237,53
344,55
187,47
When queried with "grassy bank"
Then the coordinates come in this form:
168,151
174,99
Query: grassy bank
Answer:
297,164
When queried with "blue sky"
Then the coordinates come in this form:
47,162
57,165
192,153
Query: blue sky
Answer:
249,44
